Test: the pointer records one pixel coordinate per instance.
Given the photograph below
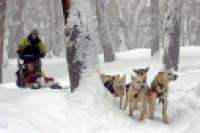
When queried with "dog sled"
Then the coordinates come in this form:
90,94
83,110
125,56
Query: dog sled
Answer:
30,75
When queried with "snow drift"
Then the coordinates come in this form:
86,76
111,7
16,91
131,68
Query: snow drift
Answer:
92,110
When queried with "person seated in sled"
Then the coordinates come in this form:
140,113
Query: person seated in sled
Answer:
34,78
32,49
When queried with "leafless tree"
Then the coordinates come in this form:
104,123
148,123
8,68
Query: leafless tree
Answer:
15,26
66,6
104,33
81,45
2,21
56,43
172,34
154,26
138,13
73,67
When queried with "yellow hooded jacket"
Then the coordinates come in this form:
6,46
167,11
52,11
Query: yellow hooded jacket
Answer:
23,43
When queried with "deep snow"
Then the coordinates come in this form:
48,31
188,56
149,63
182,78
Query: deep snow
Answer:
90,110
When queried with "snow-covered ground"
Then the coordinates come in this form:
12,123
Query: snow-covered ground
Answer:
89,110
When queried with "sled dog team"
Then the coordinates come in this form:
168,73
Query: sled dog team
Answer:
138,91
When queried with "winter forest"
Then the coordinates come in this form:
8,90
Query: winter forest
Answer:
99,66
134,24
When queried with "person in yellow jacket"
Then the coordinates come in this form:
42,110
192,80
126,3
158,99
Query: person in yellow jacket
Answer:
31,48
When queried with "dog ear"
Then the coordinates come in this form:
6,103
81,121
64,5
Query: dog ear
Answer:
147,69
134,70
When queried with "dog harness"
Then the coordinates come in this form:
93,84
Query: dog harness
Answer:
109,86
160,94
136,95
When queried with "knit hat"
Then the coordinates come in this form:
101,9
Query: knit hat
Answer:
35,31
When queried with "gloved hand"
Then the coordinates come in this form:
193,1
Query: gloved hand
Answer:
22,56
29,56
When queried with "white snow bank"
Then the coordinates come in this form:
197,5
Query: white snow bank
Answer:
89,110
198,91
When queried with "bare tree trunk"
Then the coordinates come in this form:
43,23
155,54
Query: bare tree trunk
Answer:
81,48
2,21
188,29
109,55
162,17
138,14
196,40
73,67
16,27
136,36
154,26
182,42
105,39
66,6
113,23
172,34
58,25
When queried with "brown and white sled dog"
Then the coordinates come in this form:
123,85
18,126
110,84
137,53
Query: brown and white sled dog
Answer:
119,86
136,93
142,73
159,90
116,85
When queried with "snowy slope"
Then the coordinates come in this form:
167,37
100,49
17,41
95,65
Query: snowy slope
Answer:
89,110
